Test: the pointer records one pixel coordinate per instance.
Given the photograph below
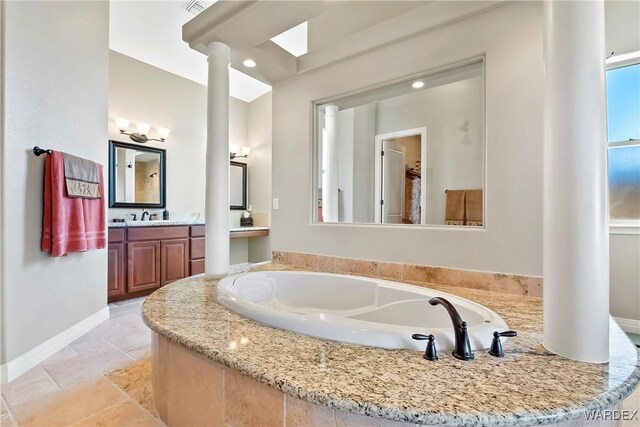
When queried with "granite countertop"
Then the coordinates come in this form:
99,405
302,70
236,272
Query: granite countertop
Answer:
171,222
529,386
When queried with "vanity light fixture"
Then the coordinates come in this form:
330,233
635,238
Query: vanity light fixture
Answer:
142,129
249,63
417,84
234,149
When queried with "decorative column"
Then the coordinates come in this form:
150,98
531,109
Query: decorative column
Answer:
217,163
330,193
576,237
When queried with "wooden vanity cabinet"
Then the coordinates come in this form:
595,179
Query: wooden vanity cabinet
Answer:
142,259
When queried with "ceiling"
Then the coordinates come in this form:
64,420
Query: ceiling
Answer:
151,32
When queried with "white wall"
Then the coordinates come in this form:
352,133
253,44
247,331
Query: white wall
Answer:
511,38
55,77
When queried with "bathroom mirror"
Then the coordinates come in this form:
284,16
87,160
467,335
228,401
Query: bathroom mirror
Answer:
238,185
136,176
407,152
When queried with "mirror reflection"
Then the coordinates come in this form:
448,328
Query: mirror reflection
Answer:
411,152
238,185
136,176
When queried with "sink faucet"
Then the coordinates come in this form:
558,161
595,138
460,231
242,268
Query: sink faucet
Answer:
463,347
143,214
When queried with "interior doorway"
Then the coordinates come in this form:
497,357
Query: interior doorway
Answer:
400,184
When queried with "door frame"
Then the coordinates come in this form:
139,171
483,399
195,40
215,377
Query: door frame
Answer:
377,189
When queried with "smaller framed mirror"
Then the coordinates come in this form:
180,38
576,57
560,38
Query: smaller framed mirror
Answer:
238,186
137,176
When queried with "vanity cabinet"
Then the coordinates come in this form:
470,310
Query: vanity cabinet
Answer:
142,259
116,268
174,256
143,265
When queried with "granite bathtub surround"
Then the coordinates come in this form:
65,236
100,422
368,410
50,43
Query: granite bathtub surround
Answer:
416,274
294,379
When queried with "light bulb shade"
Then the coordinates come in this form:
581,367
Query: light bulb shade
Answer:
234,148
123,124
143,128
163,133
245,150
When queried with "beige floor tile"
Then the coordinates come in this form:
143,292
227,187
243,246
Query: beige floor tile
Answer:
30,385
63,354
86,365
130,339
6,419
134,379
68,406
122,414
140,352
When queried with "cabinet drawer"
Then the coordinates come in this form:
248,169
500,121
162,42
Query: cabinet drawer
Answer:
117,234
196,267
158,233
197,247
197,231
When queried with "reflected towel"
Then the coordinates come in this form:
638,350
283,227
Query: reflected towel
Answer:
82,177
473,207
70,224
455,207
254,288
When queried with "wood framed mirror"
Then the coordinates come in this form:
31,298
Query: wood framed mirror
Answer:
137,176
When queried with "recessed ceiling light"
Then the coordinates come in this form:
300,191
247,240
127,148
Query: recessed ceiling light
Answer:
249,63
417,84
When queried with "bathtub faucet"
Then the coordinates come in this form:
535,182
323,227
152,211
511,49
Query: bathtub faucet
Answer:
463,347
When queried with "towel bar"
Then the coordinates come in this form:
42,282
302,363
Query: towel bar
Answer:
39,151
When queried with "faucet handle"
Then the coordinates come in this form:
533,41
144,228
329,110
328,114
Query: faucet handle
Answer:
430,353
496,345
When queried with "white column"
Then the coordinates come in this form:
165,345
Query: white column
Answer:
330,193
217,163
576,239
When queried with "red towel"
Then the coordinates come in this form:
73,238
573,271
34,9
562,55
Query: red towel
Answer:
70,224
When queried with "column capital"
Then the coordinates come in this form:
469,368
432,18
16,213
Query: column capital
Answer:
218,50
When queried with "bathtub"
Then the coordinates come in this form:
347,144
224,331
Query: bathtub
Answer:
356,310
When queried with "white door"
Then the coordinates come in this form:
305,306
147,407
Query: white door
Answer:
393,175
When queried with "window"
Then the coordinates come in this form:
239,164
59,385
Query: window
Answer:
623,130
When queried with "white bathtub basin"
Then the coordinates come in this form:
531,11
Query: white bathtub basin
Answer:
355,310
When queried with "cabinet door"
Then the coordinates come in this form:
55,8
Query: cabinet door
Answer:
175,260
143,265
116,275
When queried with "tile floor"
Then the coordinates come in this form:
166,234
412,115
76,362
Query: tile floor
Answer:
102,379
72,388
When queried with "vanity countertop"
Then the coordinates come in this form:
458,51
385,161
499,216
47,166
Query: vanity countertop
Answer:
171,222
529,386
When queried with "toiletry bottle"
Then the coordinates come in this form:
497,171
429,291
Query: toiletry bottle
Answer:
165,214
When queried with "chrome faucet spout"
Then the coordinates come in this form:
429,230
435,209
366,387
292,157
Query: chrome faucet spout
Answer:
462,349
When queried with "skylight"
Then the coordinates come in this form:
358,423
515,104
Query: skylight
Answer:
293,40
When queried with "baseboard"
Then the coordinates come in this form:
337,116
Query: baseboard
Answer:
21,364
629,325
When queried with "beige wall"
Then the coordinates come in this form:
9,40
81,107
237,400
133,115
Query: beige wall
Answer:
55,77
513,50
143,93
259,134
